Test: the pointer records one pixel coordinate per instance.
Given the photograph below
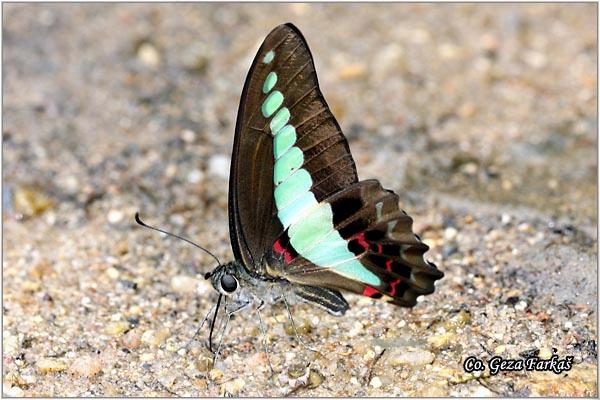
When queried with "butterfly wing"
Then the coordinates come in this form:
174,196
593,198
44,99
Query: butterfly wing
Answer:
369,248
283,125
295,200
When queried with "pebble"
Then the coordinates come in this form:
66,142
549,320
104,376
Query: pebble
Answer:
195,176
482,391
184,284
86,366
14,391
450,233
115,216
545,353
113,273
131,340
568,325
46,365
314,379
145,357
204,363
116,328
442,341
215,374
188,136
31,201
218,165
233,387
148,54
376,382
352,71
521,305
398,357
155,338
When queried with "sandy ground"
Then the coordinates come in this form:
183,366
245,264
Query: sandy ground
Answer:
487,114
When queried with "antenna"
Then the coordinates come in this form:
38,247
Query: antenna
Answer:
142,223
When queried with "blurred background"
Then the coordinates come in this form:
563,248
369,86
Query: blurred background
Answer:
481,116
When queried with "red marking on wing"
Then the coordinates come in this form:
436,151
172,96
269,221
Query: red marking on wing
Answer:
393,286
369,291
360,238
388,265
379,248
279,249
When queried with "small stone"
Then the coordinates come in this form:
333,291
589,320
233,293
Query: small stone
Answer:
376,382
46,365
303,327
234,387
441,341
131,340
469,168
450,233
113,273
195,176
568,325
31,201
147,357
184,284
167,379
352,71
482,391
204,363
86,366
188,136
314,379
115,216
545,353
148,54
116,328
215,374
14,391
30,286
521,305
499,350
296,371
218,165
505,219
398,357
155,338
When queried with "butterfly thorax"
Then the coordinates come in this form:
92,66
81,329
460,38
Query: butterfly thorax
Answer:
250,286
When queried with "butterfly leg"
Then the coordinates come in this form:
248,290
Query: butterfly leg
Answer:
228,315
198,330
264,337
291,318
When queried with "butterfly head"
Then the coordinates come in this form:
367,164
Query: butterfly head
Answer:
225,278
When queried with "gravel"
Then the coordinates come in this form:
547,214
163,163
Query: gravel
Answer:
487,116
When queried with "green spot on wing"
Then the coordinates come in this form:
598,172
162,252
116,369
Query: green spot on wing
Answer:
296,209
293,187
311,228
269,57
272,103
287,164
284,139
279,120
270,82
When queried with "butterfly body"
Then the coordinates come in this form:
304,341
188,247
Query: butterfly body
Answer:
301,223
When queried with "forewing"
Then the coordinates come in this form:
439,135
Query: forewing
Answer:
281,95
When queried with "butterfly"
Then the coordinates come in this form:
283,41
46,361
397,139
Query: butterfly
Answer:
301,223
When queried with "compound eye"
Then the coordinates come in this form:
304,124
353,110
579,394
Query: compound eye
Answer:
228,283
